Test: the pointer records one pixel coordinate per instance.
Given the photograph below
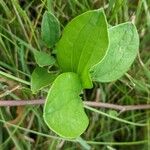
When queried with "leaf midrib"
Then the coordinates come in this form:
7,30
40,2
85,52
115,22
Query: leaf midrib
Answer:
73,47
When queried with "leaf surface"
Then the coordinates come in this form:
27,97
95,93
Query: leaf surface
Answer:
41,78
63,109
43,59
123,48
83,44
50,29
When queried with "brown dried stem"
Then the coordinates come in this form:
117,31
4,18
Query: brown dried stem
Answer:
121,108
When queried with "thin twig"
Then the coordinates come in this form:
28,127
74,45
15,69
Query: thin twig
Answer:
121,108
21,102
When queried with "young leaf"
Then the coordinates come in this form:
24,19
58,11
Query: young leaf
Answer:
83,44
41,78
123,48
63,109
43,59
50,29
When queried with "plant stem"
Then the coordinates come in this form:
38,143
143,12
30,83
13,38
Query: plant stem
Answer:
21,102
121,108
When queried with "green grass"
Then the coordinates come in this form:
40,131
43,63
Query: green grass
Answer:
20,36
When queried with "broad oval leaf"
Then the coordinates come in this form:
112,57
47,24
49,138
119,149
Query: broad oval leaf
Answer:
43,59
41,78
123,48
50,29
63,109
83,44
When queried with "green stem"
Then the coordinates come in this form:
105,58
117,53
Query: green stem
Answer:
13,78
114,117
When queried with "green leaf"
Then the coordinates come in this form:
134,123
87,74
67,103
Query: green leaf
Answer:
50,29
123,48
41,78
63,110
83,44
43,59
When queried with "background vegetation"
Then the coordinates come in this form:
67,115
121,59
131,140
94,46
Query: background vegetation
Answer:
20,22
